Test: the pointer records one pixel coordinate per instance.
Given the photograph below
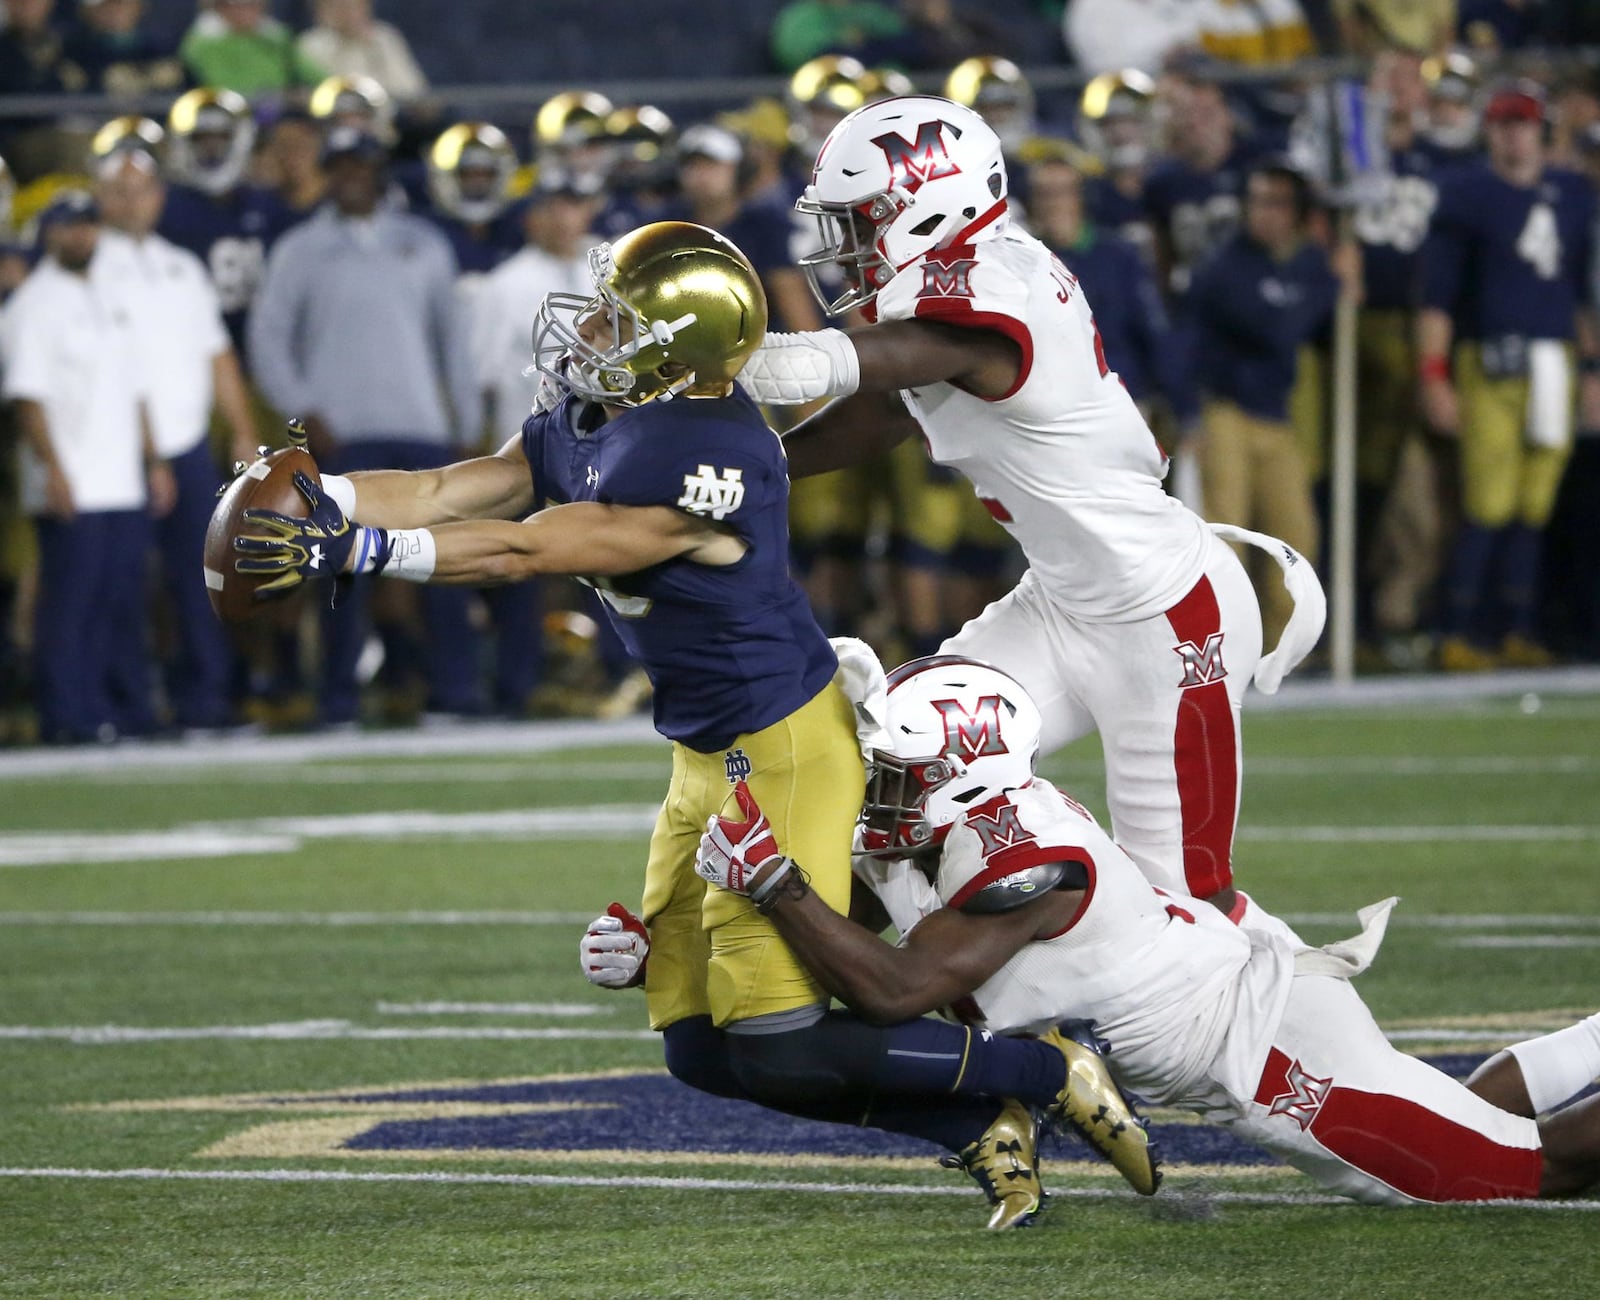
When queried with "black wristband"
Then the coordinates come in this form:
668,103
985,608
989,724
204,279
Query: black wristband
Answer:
788,881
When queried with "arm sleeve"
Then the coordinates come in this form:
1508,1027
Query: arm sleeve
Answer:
274,318
964,287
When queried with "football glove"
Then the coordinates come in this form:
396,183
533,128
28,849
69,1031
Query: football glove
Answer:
614,949
317,546
734,850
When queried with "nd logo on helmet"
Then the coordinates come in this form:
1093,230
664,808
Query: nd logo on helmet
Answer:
973,733
912,165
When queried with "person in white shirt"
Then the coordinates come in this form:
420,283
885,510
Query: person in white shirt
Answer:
349,42
91,479
188,364
557,221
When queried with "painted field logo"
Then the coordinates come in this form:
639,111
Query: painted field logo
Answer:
607,1118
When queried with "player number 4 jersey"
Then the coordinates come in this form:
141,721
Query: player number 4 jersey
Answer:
1064,461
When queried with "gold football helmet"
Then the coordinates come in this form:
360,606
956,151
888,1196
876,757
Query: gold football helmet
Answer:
639,140
572,118
677,309
130,131
469,171
354,101
998,91
1116,116
821,92
210,133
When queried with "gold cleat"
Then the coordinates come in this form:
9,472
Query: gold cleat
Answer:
1092,1104
1519,652
1458,655
1005,1163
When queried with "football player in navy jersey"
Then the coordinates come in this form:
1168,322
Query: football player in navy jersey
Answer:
228,224
1505,298
1115,123
655,479
469,179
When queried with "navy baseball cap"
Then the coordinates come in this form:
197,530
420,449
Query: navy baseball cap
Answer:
67,207
353,142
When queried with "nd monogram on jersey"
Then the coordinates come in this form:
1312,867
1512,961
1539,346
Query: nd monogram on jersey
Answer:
707,492
1065,461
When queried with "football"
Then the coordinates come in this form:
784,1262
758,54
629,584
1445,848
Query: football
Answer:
266,484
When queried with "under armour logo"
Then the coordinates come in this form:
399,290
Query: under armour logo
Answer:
738,766
1201,667
591,476
1302,1096
706,492
316,555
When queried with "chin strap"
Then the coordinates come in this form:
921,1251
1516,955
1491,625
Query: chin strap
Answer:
789,369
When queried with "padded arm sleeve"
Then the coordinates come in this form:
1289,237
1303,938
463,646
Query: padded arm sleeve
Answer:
788,369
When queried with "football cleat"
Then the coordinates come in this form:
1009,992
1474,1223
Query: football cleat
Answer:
1005,1163
1091,1103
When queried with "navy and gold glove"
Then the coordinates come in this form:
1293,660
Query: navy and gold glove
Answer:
318,546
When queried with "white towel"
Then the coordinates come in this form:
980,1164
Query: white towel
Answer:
862,679
1310,615
1549,394
1349,957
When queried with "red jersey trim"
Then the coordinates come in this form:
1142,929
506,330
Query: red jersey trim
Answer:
1010,861
958,311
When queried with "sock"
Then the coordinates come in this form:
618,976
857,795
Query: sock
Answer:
697,1054
1519,577
1558,1066
1464,581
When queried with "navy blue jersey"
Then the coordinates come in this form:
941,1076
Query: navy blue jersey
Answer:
1251,314
1130,316
1507,261
760,228
231,233
627,210
729,649
480,248
1194,212
1391,229
1121,215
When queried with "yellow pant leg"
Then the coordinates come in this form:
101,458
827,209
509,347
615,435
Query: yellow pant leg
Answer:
806,774
1308,411
1386,379
1282,507
1503,480
924,511
1225,468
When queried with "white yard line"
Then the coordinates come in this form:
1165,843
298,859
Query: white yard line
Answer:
297,1031
664,1183
494,1009
335,919
1531,834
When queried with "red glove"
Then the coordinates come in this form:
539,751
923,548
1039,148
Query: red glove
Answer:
733,850
614,949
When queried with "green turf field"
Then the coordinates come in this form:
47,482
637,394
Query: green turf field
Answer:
315,1028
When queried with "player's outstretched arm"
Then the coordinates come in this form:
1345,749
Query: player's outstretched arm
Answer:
486,487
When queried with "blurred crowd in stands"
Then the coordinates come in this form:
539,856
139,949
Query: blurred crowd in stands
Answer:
267,215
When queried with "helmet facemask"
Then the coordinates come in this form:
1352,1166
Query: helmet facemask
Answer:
894,812
851,248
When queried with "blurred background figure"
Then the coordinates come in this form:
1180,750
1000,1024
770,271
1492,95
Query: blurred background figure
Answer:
640,172
996,88
469,169
237,44
1116,124
211,208
1452,118
1265,293
33,61
936,35
188,365
358,329
91,479
291,163
569,132
1109,35
359,102
118,55
349,41
1416,27
1505,299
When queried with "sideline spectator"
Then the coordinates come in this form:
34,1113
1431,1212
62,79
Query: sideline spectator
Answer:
1254,32
1420,27
357,328
935,38
239,45
804,29
291,163
90,477
117,55
184,356
33,62
1264,294
349,42
1505,294
1109,35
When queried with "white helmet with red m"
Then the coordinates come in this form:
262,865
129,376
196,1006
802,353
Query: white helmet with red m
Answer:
956,733
895,180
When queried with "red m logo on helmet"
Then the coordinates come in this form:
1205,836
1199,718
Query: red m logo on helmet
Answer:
912,165
972,733
1201,665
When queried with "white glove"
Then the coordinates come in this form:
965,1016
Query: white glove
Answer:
733,851
614,948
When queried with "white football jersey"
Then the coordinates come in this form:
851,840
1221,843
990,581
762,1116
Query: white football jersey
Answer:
1065,461
1161,975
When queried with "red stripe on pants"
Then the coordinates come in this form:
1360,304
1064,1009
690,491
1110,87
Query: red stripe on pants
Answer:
1205,755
